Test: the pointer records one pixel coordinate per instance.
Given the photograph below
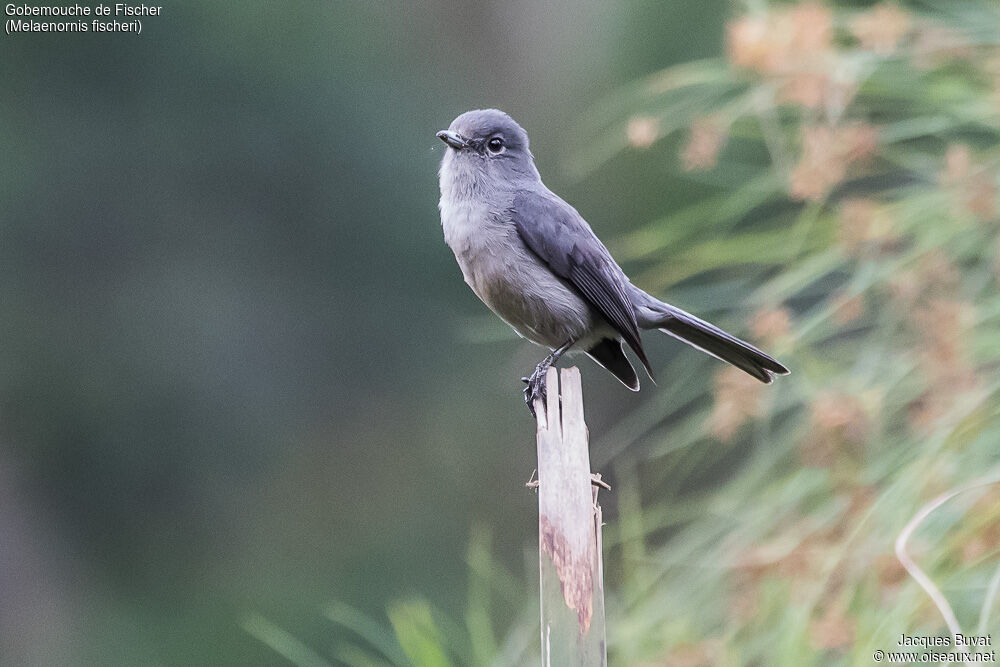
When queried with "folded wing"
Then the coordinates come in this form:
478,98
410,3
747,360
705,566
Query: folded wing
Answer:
563,240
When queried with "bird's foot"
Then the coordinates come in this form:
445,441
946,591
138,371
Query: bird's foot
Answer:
536,383
535,389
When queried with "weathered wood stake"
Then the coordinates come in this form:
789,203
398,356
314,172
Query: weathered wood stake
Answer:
569,531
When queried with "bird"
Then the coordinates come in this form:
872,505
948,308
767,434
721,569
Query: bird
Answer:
537,264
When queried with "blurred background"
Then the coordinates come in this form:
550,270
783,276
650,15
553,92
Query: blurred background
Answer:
250,414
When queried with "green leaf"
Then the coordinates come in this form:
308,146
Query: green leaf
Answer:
374,633
417,634
282,642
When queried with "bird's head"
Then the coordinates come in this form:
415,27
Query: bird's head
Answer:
488,145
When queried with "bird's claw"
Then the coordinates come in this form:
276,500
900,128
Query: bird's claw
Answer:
535,389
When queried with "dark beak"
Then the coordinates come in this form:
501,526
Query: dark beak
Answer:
453,139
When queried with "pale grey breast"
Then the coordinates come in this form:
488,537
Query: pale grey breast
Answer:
509,278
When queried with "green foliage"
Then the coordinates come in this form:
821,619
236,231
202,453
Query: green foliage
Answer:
864,251
282,642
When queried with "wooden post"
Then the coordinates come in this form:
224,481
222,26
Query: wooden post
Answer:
569,531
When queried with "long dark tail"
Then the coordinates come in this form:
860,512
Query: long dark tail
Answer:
652,313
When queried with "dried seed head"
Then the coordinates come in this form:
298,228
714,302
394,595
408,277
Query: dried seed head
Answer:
771,324
881,29
642,131
737,400
704,143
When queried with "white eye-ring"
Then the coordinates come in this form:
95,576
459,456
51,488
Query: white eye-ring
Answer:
495,145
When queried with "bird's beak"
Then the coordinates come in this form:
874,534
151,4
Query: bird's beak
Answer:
453,139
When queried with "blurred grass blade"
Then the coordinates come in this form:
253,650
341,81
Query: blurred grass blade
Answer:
378,636
282,643
418,635
666,232
477,614
988,600
355,656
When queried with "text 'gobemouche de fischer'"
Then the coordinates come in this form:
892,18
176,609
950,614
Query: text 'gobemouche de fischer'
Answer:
24,15
120,9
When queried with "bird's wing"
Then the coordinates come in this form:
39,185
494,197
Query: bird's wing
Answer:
563,240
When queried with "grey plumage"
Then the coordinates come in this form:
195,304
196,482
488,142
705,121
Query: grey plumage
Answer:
536,263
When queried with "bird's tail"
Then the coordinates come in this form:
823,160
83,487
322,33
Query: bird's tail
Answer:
652,313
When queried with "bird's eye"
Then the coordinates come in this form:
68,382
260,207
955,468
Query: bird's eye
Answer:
495,145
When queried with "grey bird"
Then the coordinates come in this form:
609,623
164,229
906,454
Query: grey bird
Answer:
536,263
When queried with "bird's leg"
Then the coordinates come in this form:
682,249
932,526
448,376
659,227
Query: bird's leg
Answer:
536,383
